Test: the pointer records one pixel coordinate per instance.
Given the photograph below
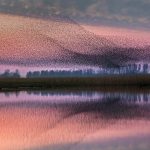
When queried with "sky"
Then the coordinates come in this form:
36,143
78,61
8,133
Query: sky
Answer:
135,12
73,33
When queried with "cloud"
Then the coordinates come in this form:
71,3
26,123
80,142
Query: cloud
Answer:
135,11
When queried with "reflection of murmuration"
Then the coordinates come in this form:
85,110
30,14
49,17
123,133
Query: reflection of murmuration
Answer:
106,108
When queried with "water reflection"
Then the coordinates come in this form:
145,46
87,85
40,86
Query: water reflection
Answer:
76,95
74,120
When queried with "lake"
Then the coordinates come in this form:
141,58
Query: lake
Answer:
72,119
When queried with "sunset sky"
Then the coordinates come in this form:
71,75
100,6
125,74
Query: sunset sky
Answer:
61,33
56,35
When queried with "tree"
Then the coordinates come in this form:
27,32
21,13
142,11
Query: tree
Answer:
16,74
145,68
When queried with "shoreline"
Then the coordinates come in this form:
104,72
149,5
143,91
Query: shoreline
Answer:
103,82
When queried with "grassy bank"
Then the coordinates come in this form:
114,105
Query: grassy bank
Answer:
23,83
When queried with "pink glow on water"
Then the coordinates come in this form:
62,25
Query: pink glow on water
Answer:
36,122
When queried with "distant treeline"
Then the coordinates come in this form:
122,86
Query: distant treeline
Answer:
60,73
124,70
129,69
9,74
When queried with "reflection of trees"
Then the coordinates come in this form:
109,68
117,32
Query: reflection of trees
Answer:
9,94
125,97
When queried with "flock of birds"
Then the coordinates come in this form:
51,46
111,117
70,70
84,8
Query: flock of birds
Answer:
59,40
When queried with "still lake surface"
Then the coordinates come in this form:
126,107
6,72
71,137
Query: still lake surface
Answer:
75,120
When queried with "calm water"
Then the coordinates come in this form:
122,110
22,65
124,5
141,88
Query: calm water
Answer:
75,120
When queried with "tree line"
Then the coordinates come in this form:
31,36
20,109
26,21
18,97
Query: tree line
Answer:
128,69
8,74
